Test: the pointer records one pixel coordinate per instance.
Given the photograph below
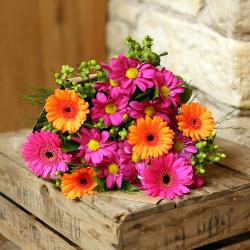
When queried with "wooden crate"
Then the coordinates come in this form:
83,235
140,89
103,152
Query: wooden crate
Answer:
35,215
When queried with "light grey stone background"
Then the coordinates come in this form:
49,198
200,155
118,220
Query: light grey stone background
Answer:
208,43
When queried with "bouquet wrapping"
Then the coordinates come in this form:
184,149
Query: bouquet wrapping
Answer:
127,125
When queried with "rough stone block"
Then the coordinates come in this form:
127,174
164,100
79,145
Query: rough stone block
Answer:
217,65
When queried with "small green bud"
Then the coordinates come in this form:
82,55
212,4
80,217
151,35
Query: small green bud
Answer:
193,162
216,159
125,117
204,144
112,131
202,170
58,183
100,74
69,137
223,156
123,134
93,62
98,67
215,147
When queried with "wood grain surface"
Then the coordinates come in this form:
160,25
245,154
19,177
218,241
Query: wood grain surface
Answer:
38,36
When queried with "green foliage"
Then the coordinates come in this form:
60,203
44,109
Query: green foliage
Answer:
70,146
186,95
143,51
207,154
128,187
39,97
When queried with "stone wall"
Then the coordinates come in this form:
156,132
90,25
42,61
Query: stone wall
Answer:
208,43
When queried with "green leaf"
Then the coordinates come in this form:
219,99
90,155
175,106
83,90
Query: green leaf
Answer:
156,93
186,95
70,146
127,186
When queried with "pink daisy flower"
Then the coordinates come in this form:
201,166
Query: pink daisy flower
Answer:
111,169
43,155
184,146
94,145
111,108
131,164
111,86
169,86
131,73
150,108
167,177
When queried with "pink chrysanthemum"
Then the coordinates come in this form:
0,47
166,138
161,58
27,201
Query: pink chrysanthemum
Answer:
151,108
111,169
169,86
184,146
131,73
131,164
43,155
94,145
111,108
167,177
111,86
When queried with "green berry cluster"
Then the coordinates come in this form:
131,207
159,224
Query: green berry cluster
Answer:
143,52
207,154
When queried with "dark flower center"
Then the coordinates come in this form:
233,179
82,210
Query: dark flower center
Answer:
150,137
83,181
166,179
48,154
196,123
67,109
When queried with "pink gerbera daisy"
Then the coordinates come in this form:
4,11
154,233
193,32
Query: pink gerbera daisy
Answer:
43,155
169,86
167,177
111,169
131,164
131,73
184,146
111,108
149,108
94,145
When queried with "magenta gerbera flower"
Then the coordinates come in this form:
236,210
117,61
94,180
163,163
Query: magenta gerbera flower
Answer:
111,169
111,108
167,177
131,164
131,73
151,108
43,155
184,146
94,145
169,86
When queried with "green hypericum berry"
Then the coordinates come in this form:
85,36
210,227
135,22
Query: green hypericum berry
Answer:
123,134
223,156
204,144
202,170
112,131
69,137
58,183
125,117
216,159
93,62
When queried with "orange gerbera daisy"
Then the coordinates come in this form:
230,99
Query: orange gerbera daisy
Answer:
66,110
151,137
195,121
79,183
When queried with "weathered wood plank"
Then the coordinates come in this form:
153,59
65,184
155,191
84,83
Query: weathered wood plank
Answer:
238,156
83,226
8,245
25,231
190,226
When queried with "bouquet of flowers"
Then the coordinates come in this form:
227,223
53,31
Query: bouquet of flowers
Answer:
126,125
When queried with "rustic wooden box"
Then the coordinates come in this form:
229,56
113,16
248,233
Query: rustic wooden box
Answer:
35,215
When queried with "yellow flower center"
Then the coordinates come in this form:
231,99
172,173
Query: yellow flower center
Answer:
150,110
132,73
110,108
113,168
178,146
93,145
113,83
165,91
135,158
